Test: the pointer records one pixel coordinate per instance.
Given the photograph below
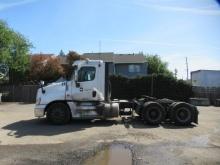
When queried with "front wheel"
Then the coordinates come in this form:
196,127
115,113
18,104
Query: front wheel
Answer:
58,113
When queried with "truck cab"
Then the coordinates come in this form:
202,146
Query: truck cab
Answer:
87,81
84,96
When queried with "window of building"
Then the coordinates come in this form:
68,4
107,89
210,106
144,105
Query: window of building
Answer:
86,74
134,68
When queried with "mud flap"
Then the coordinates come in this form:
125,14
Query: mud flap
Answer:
196,114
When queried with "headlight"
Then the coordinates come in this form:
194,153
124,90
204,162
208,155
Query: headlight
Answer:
38,101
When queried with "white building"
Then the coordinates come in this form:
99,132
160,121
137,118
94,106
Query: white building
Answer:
206,78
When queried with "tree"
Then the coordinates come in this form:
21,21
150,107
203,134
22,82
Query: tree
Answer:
14,48
71,57
45,68
157,66
61,53
4,73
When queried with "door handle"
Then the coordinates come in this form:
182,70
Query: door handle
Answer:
80,89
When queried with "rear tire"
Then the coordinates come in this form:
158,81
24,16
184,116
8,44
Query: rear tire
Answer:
153,113
182,113
58,113
170,111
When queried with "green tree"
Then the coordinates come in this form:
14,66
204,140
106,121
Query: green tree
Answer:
14,48
157,66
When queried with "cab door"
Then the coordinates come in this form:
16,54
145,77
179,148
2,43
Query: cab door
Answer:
86,82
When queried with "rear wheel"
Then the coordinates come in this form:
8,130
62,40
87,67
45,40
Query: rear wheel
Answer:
170,110
182,114
58,113
153,113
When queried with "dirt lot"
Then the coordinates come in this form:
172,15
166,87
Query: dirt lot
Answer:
27,140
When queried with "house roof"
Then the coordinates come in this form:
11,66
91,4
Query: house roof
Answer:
116,58
62,59
205,71
106,57
43,54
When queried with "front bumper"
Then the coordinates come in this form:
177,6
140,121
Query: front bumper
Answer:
39,110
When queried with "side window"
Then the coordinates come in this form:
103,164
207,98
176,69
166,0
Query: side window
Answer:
86,74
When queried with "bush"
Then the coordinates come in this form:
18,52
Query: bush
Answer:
163,87
47,68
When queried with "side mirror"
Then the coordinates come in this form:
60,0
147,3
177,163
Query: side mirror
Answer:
42,83
76,81
77,84
41,86
75,77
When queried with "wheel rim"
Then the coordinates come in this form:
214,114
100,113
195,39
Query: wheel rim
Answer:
183,114
57,114
154,114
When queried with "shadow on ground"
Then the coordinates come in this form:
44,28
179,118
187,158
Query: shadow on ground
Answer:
137,123
43,128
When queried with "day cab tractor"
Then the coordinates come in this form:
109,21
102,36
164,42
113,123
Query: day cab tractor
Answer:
87,95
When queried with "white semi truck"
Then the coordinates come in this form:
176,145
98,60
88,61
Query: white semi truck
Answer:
87,96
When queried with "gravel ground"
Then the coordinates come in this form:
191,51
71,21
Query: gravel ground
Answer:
27,140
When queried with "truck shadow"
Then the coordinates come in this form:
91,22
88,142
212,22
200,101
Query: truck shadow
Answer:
136,122
40,127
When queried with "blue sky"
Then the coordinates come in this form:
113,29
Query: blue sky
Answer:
173,29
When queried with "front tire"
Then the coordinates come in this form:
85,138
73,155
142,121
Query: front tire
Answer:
58,113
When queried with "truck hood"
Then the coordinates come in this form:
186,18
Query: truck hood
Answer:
54,91
53,86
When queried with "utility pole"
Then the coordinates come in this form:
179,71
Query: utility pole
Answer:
187,70
175,73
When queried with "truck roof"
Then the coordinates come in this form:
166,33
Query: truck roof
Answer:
87,61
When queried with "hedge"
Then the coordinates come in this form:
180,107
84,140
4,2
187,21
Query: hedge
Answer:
163,87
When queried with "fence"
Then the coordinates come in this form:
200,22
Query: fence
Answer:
159,86
122,88
212,93
19,93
